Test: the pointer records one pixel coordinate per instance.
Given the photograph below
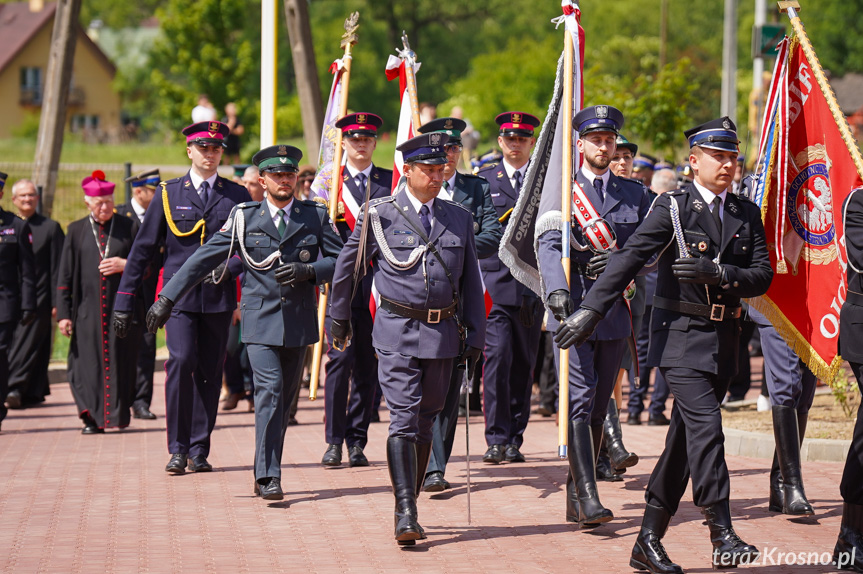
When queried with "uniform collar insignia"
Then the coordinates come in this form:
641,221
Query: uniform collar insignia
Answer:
376,176
698,205
500,175
732,207
188,183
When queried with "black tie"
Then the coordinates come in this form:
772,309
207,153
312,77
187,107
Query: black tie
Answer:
717,208
597,185
517,177
205,192
361,182
424,218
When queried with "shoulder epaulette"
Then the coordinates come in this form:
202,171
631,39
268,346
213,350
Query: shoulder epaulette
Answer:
745,199
166,182
245,204
381,200
632,180
313,203
488,167
456,204
681,191
471,176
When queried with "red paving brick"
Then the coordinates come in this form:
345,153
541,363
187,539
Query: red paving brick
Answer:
74,503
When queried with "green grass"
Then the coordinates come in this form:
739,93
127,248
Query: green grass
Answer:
61,345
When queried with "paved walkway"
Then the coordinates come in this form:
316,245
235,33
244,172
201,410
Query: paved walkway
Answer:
74,503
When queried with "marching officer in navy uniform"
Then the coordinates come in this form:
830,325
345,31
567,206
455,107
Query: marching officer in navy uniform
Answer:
17,286
185,213
850,540
514,321
431,313
593,367
356,369
143,191
287,248
474,193
712,253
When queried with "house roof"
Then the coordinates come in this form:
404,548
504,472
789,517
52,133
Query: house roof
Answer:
849,92
18,25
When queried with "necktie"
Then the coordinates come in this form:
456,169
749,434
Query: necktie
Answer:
445,186
361,182
204,192
517,177
597,185
717,208
424,218
282,225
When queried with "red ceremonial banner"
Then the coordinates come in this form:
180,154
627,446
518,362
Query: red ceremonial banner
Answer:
811,172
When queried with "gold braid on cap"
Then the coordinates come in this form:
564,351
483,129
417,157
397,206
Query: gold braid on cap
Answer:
200,224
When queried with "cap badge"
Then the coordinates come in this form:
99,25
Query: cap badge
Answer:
516,118
602,111
434,139
305,255
283,150
726,123
448,124
361,118
214,127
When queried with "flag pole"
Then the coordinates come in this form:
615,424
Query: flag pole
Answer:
348,40
565,229
411,81
790,7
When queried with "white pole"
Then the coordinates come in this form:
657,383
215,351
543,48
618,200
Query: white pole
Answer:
269,21
728,105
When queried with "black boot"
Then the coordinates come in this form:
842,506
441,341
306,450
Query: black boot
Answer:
603,467
423,455
620,457
793,499
848,553
777,490
402,464
648,552
582,499
728,549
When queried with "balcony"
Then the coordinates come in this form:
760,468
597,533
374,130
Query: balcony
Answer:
33,97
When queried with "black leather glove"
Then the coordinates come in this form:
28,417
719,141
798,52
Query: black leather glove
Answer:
340,330
159,313
576,329
597,264
121,321
470,359
216,274
697,270
560,304
28,317
527,313
293,273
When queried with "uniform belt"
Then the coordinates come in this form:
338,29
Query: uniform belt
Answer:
712,312
854,298
428,315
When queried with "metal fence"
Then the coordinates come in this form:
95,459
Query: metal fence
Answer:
69,197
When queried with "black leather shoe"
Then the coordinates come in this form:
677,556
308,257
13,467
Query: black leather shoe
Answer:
435,482
292,421
356,456
271,489
13,399
494,454
333,456
633,419
198,463
659,420
257,489
512,454
142,412
728,549
177,464
92,429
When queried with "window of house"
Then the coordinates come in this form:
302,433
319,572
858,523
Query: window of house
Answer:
31,84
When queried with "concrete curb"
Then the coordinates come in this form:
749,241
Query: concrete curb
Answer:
761,445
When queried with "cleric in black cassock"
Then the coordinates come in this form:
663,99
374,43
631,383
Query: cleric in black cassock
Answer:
101,365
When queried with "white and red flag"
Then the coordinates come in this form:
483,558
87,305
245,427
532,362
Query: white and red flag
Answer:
399,67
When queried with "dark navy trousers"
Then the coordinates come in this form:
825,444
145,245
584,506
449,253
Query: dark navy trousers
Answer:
510,355
593,369
415,390
352,378
443,430
6,331
193,378
851,487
